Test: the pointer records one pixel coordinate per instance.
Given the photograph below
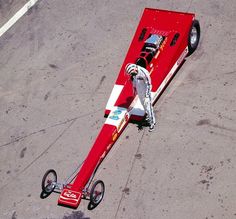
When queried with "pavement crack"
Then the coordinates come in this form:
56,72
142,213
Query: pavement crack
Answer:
17,139
72,121
129,175
40,155
190,5
21,138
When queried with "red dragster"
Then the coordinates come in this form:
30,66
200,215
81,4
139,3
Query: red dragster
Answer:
161,43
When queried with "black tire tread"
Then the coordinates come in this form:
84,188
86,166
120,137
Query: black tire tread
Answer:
190,48
45,176
92,190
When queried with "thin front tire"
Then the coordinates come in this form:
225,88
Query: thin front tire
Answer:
49,181
97,192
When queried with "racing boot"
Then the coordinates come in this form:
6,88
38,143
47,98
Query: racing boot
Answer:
151,127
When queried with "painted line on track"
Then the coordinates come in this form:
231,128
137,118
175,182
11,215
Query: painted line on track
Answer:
17,16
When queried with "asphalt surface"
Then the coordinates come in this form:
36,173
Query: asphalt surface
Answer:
58,64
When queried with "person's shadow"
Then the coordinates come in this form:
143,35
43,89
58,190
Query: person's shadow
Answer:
140,124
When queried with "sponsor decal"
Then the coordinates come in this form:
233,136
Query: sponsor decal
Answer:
115,114
120,125
105,152
163,44
114,137
126,117
123,122
114,117
70,195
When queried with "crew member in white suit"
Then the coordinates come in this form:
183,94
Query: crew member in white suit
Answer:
142,86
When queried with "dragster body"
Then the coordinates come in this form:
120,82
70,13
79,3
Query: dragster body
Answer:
161,42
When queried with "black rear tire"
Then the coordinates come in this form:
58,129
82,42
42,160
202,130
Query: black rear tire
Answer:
193,37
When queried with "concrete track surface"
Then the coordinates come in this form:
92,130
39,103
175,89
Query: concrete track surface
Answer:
58,64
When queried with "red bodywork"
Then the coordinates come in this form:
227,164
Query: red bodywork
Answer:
122,105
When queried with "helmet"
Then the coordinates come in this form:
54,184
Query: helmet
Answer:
131,69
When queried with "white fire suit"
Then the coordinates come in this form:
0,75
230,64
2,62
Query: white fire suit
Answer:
142,85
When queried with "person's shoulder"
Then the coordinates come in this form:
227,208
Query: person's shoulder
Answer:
144,70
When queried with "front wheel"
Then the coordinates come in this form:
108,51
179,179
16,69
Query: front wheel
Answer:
97,192
49,181
194,37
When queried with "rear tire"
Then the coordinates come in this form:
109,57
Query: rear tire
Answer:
193,37
49,181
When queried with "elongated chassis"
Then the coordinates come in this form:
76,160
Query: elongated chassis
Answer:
162,41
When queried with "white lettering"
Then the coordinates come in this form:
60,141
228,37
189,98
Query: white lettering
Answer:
70,195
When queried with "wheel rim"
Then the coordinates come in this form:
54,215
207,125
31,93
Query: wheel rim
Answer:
193,36
49,183
97,194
